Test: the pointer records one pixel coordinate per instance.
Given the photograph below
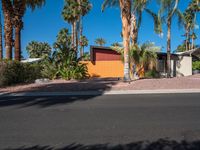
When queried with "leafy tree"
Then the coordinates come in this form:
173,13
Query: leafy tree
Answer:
83,43
65,58
38,49
100,41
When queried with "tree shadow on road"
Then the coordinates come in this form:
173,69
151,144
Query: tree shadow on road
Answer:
95,87
161,144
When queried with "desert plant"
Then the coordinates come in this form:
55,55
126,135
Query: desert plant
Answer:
64,63
196,65
14,72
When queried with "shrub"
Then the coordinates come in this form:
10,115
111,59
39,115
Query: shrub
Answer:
13,72
196,65
151,74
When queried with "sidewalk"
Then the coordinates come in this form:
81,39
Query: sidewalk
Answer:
189,84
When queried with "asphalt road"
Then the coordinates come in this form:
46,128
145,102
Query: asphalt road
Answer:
115,119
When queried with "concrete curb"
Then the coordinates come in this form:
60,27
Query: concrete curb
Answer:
98,93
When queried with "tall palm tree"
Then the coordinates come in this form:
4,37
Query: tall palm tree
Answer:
8,27
1,41
187,19
125,8
71,13
19,7
84,7
100,41
169,10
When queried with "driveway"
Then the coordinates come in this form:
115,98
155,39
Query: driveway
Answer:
100,122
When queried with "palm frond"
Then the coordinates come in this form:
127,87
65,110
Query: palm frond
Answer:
109,3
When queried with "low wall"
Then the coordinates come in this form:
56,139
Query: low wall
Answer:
105,69
184,66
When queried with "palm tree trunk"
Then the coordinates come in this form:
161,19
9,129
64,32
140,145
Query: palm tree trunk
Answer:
187,38
72,36
134,30
76,35
1,41
8,27
19,10
169,48
81,34
125,6
18,43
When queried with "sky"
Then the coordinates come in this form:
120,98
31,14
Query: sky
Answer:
44,24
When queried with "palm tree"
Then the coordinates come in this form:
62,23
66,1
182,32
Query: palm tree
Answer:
100,41
188,21
125,8
83,42
8,27
38,49
193,37
84,7
1,41
140,56
19,7
71,13
169,10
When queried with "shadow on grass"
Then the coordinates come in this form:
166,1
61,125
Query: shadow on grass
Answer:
97,86
162,144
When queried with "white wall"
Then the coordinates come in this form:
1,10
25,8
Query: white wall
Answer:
184,66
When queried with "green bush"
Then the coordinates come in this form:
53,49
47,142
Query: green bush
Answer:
196,65
152,74
13,72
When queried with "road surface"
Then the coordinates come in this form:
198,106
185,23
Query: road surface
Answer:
114,119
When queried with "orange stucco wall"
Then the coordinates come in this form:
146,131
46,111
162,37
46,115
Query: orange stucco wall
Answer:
105,69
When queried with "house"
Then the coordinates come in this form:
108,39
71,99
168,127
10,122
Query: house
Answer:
105,62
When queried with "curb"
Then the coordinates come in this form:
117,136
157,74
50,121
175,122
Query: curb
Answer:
99,93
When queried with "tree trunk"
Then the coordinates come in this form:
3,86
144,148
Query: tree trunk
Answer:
81,34
19,10
187,38
8,27
1,41
169,48
72,36
76,39
134,30
125,6
18,43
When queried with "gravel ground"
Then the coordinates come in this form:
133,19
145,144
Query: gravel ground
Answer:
191,82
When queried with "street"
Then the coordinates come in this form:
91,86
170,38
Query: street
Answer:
115,119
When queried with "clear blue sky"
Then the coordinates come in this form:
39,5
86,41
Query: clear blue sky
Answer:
43,25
